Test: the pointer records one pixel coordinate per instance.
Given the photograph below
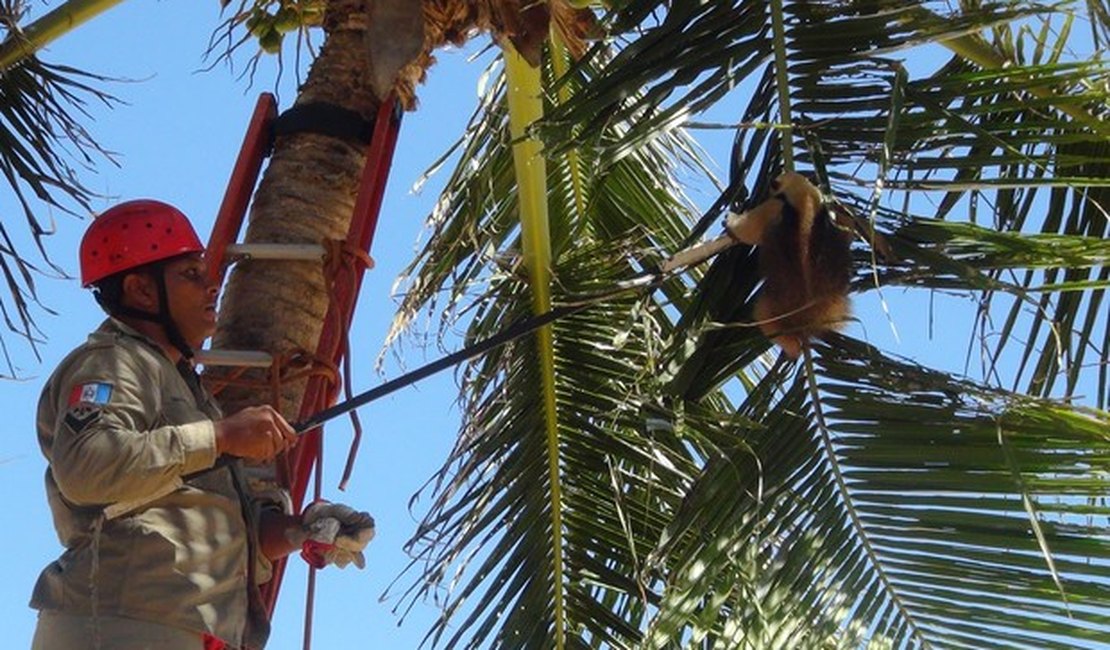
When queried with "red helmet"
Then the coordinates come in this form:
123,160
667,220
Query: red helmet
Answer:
133,234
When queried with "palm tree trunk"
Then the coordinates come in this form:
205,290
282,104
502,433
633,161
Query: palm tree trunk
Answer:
307,194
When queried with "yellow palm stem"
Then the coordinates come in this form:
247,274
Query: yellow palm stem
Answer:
525,107
43,31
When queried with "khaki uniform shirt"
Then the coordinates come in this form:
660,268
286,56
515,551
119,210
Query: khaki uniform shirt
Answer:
118,422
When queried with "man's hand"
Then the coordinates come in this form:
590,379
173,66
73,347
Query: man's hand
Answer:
255,433
333,533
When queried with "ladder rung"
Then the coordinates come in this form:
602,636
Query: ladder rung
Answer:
296,252
240,358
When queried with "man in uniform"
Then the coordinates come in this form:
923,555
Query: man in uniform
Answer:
164,545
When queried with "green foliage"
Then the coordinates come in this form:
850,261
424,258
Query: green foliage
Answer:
712,498
496,481
42,145
268,22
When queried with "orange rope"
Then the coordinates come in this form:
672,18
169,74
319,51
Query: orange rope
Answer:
342,257
339,257
338,254
285,368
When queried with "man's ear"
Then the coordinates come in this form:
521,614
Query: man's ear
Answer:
140,291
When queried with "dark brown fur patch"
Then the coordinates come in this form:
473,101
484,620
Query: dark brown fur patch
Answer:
805,283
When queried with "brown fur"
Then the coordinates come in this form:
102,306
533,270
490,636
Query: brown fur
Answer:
805,263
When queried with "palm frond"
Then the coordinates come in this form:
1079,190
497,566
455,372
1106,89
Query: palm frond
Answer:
487,540
945,478
989,139
977,134
737,557
22,43
910,436
690,523
42,145
497,480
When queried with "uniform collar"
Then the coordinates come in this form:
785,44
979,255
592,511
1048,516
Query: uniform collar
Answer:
113,327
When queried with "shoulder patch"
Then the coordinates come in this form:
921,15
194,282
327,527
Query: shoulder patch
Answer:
93,393
79,417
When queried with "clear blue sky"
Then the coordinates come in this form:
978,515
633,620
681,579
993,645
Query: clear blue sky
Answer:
176,139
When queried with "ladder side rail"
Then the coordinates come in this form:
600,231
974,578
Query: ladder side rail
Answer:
363,226
244,176
319,394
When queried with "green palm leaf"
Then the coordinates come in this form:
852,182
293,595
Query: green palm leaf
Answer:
992,136
42,146
938,551
489,531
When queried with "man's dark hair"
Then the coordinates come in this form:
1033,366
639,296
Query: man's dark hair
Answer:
109,291
109,295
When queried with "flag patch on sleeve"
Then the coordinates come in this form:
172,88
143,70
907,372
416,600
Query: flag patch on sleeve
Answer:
93,393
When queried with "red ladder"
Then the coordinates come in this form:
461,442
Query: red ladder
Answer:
319,392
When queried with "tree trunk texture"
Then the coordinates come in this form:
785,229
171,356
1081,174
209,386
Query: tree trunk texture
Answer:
306,194
308,191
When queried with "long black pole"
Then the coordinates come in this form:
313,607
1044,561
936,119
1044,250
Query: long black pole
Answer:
510,333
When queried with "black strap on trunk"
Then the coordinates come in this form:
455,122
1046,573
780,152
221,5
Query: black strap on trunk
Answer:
325,119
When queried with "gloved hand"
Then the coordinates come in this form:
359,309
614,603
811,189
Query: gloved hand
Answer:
335,534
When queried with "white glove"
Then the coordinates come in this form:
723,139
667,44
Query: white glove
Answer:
335,534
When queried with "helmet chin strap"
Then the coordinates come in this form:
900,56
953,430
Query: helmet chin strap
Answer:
173,333
161,317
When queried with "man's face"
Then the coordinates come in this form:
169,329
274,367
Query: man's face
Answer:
192,298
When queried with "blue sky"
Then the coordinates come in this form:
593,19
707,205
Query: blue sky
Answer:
176,140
